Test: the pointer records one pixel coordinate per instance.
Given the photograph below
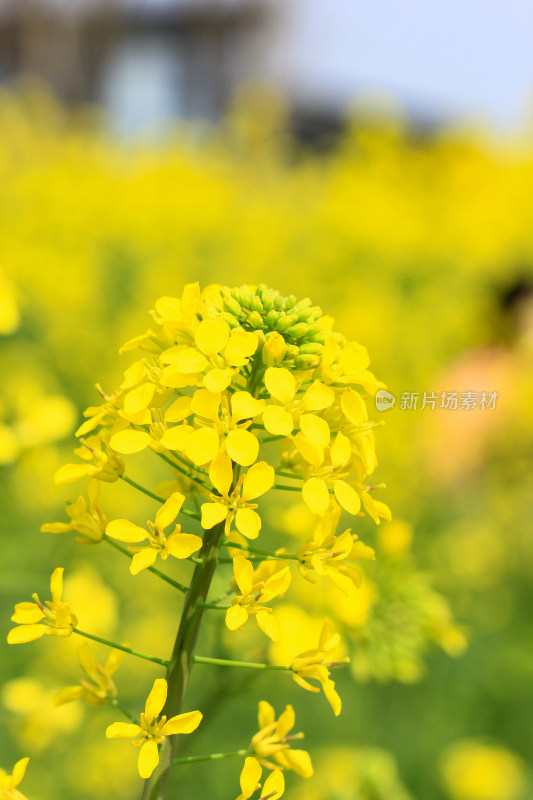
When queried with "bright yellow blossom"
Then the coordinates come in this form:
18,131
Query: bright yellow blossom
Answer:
98,462
9,783
153,729
234,504
179,545
272,744
253,594
325,554
36,619
87,519
99,689
273,787
312,665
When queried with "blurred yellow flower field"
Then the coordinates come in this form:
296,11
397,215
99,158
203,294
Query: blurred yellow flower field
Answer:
422,249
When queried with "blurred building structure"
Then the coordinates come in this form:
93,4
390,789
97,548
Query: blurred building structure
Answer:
147,62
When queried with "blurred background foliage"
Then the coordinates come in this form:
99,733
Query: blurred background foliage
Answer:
422,248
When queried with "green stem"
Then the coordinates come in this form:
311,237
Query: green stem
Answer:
283,474
287,488
271,439
260,552
193,478
225,662
156,496
212,757
114,702
155,571
142,489
154,659
213,606
182,655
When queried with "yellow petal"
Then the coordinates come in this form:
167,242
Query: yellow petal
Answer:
169,510
125,531
316,496
243,571
250,776
341,581
128,442
143,559
221,473
183,723
156,699
176,438
297,760
26,633
353,407
332,696
318,396
148,758
212,336
341,450
274,785
72,472
27,614
278,421
55,527
309,452
216,380
316,430
122,730
268,624
277,584
206,404
189,360
139,399
245,406
69,695
240,346
133,375
19,770
280,384
88,661
183,545
202,446
242,447
266,714
56,584
258,480
179,410
212,514
347,497
236,616
248,522
172,377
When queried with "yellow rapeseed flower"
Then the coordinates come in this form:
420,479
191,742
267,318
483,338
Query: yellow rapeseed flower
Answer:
9,783
99,689
153,729
177,544
254,593
54,618
312,665
273,787
88,519
272,743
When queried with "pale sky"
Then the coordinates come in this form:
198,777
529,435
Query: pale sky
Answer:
451,57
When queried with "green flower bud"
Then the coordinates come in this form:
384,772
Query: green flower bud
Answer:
272,318
232,306
284,323
256,304
230,319
312,348
255,320
292,352
306,362
298,331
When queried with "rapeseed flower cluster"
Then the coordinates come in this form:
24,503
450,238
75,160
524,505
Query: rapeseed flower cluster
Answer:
241,392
